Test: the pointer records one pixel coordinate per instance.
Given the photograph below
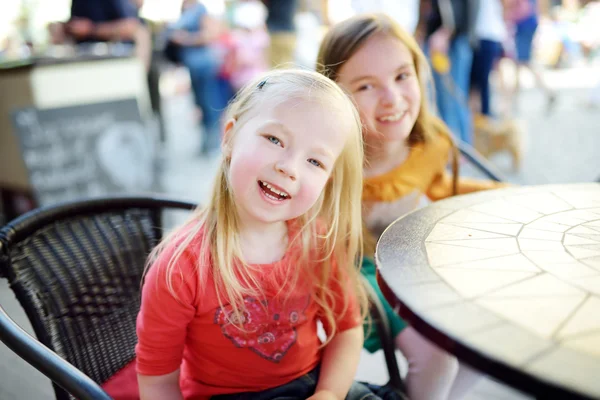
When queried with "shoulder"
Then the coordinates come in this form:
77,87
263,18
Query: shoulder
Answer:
180,259
200,9
439,142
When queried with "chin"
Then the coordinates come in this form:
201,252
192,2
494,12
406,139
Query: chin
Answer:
389,135
395,137
270,217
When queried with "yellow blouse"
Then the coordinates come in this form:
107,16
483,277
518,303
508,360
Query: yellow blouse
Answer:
424,171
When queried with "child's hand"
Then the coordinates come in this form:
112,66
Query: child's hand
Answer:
180,37
80,27
323,395
439,41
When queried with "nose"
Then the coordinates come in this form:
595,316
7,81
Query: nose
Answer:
390,96
287,166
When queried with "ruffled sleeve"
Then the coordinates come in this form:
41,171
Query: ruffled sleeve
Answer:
424,164
425,171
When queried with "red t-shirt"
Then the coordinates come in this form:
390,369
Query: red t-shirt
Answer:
280,343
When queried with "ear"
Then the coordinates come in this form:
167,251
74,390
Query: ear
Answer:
226,145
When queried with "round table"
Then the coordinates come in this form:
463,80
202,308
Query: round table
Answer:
508,281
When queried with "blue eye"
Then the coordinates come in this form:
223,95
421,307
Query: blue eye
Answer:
273,140
315,163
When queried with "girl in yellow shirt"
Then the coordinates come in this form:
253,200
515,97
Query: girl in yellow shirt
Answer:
407,151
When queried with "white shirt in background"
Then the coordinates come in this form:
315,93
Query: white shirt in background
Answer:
405,12
490,23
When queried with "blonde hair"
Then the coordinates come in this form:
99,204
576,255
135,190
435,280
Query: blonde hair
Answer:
344,39
338,208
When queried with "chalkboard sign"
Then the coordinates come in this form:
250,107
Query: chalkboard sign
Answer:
86,150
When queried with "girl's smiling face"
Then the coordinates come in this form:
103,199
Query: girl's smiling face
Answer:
281,159
382,79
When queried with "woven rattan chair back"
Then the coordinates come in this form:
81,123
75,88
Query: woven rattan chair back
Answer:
78,278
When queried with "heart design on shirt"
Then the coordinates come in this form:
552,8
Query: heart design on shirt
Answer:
269,327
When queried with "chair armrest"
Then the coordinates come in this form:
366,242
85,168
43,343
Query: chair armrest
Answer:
480,163
48,362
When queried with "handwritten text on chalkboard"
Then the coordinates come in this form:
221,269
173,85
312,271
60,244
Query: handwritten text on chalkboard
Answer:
86,150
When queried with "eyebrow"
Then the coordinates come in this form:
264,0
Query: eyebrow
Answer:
363,77
276,124
320,150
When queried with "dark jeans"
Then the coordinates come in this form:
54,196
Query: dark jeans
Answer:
304,387
211,92
483,62
452,100
524,34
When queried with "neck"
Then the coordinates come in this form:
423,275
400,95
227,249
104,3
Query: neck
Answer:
382,156
263,243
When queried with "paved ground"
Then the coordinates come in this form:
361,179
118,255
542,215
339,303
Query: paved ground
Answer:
562,146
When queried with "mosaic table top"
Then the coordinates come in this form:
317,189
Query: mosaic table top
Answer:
508,280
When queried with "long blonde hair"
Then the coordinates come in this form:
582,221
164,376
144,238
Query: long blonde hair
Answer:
338,209
344,39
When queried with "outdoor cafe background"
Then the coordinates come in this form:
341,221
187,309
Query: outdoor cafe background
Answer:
72,124
76,122
42,158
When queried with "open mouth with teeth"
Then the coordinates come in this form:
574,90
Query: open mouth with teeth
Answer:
273,193
392,118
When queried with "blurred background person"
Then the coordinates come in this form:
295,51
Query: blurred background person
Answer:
404,12
490,32
450,26
105,21
195,37
523,17
282,31
247,43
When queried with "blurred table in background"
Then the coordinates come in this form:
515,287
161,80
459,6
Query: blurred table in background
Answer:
73,122
508,281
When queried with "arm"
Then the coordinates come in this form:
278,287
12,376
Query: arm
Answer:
164,387
421,29
437,156
162,324
211,29
124,26
341,355
122,29
339,364
123,23
441,187
447,15
439,41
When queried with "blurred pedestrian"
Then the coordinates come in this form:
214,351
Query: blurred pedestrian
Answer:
104,21
195,36
282,31
524,16
450,28
491,32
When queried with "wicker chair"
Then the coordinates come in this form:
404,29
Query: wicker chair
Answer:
76,270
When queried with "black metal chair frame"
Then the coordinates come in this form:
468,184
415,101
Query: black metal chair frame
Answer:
66,378
479,162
